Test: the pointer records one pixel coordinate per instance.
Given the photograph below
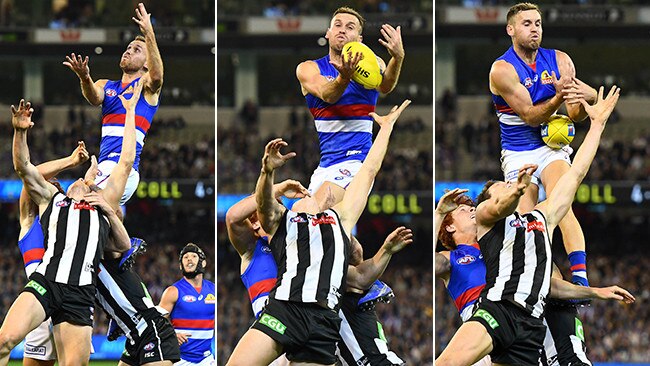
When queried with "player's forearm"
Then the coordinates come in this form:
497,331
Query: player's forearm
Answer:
241,210
437,222
121,240
540,113
507,205
127,156
391,75
442,265
332,91
51,168
20,152
154,60
89,92
265,199
563,290
371,269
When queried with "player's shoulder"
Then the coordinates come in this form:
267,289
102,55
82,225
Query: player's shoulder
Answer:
308,66
502,66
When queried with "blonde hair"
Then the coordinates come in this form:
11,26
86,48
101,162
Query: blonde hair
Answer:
518,8
348,10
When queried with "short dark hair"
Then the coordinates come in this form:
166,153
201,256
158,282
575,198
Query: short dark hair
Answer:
485,195
518,8
348,10
445,237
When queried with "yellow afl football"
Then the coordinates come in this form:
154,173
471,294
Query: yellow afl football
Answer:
558,131
367,72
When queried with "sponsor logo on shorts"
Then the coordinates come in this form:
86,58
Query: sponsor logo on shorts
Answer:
266,249
481,313
35,350
579,331
273,323
352,152
149,346
111,92
345,172
149,354
189,298
467,259
113,155
339,177
36,286
210,299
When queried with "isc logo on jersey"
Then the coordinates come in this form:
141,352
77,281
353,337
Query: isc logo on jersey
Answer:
189,298
467,259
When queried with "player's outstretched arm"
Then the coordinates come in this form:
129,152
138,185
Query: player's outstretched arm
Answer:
92,91
154,80
504,81
561,289
363,275
356,195
121,241
561,198
504,202
448,202
269,210
117,180
393,43
40,191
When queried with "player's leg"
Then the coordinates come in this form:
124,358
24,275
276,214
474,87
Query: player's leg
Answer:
255,348
25,314
470,344
511,161
72,343
572,235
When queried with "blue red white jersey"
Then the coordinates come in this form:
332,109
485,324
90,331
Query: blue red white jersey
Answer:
344,128
516,135
193,313
32,247
260,276
114,116
466,277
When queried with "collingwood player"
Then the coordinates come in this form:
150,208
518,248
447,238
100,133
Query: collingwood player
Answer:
311,248
516,248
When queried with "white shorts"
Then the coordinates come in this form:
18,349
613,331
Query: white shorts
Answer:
208,361
340,174
105,169
511,161
39,343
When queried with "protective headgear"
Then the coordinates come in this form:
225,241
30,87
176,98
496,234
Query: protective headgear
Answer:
192,248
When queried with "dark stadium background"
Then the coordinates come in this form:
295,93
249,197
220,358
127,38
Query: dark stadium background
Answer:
174,203
608,42
258,98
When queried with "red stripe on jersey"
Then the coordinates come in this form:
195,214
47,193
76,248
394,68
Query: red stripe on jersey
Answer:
33,254
578,266
193,323
261,287
468,295
503,108
140,121
350,110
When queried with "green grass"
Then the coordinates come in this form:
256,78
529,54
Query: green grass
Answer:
92,363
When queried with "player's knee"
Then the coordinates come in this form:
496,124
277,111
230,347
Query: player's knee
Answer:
9,339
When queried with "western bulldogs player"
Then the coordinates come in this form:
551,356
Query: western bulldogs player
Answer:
141,61
516,247
191,304
528,84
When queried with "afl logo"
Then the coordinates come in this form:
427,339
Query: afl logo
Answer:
528,82
467,259
516,223
189,298
149,346
297,219
63,204
111,92
266,249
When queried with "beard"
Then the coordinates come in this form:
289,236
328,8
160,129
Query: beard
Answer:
129,66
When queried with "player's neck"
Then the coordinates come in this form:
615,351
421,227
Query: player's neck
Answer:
463,238
527,55
196,281
335,55
129,77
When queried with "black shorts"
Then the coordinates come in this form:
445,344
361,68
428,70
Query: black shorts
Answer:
361,332
307,332
517,337
157,343
61,302
567,333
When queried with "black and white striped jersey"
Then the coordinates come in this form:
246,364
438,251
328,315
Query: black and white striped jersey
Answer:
75,234
311,252
517,255
125,298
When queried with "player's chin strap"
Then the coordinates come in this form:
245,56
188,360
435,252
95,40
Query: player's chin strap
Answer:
192,248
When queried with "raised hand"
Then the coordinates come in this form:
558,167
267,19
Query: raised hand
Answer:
80,154
578,89
91,173
389,119
291,189
449,201
98,200
524,176
614,293
561,85
143,19
398,240
347,66
600,112
21,118
393,40
273,159
129,104
78,64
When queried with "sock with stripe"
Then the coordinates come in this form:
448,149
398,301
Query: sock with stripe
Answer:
578,260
